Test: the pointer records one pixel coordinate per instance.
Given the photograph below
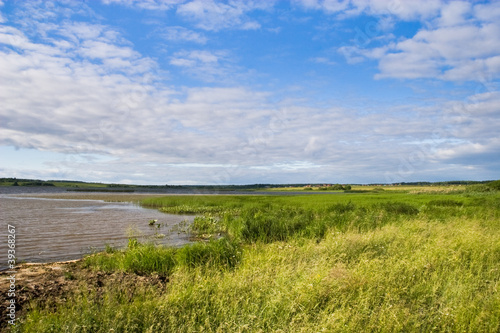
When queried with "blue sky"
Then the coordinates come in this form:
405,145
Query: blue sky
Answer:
239,92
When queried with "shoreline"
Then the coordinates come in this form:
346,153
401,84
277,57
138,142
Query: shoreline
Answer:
53,283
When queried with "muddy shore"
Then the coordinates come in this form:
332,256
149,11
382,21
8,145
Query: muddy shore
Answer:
51,284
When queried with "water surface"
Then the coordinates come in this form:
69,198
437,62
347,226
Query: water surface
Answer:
63,229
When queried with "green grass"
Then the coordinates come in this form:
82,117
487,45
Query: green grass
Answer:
381,262
148,258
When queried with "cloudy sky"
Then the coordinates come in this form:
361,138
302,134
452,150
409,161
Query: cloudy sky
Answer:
241,92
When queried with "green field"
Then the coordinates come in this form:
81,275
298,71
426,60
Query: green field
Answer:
381,261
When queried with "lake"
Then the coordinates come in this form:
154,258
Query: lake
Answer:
49,229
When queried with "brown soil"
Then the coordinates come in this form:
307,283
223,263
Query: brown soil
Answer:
51,284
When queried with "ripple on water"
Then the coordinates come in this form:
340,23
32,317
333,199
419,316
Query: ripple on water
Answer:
62,229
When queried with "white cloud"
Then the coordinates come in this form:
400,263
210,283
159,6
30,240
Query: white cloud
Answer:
405,10
214,15
206,14
462,43
327,5
208,66
454,13
489,12
182,62
100,50
459,53
146,4
181,34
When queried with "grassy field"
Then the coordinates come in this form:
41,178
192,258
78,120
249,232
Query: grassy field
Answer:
382,261
375,188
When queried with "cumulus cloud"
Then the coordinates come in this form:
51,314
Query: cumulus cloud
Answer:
459,53
460,43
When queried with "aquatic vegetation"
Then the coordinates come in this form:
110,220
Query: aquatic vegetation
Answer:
109,249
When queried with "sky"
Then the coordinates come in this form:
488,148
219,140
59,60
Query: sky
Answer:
244,92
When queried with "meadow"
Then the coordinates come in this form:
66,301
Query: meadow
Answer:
378,261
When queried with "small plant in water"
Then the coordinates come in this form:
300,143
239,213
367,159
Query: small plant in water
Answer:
181,227
132,243
152,222
110,249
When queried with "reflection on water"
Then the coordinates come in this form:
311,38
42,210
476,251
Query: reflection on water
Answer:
62,229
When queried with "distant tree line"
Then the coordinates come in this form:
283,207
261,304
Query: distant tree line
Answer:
24,182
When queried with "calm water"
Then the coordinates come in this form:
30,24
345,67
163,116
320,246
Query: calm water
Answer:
62,229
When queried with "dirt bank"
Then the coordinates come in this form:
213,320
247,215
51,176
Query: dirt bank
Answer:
52,283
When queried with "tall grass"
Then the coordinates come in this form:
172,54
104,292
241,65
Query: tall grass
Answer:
340,263
148,258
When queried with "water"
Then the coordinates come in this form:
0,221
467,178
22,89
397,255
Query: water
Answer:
63,229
